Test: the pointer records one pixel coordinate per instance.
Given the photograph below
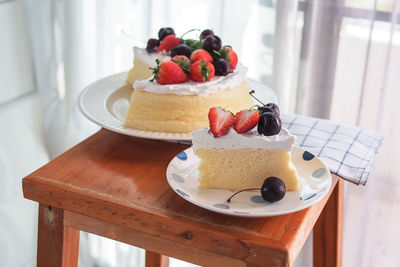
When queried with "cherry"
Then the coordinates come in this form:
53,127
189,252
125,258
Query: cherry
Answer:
273,189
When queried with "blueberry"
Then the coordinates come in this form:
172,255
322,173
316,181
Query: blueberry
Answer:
211,43
270,107
206,33
269,124
273,189
151,45
181,49
222,67
164,32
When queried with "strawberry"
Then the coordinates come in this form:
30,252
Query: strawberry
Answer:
228,54
201,54
220,121
201,71
168,72
245,120
168,43
183,62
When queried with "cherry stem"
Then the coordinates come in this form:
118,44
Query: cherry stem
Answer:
251,93
192,30
229,199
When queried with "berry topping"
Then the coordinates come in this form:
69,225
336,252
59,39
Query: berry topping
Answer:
183,62
152,45
222,67
205,33
168,43
201,54
212,43
270,107
181,49
273,189
220,121
164,32
269,124
245,120
201,71
228,54
168,72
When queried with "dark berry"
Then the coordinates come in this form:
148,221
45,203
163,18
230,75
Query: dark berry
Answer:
211,43
164,32
181,49
152,45
222,67
206,33
270,107
273,189
269,124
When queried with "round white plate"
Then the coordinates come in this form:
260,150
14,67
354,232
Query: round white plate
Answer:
106,103
315,182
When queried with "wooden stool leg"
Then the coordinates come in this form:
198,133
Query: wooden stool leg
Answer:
328,231
58,245
156,260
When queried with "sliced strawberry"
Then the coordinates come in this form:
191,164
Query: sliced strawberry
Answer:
245,120
201,54
168,43
183,62
201,71
168,72
220,121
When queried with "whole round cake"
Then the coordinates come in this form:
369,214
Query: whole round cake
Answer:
189,77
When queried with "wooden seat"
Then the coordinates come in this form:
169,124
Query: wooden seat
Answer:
114,186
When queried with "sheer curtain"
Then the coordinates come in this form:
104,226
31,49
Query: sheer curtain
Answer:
335,59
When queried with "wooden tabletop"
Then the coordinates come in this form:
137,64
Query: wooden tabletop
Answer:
115,186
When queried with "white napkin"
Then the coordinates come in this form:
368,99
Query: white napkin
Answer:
348,151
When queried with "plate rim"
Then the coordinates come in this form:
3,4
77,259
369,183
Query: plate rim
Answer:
227,212
115,125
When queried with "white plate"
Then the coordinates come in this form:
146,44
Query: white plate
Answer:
106,102
315,182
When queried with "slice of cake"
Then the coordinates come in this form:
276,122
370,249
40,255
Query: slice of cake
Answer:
237,161
200,74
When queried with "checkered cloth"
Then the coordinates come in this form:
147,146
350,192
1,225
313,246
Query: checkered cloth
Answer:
348,151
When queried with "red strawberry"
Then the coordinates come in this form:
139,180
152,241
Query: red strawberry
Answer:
168,43
201,71
245,120
227,53
183,62
220,121
168,72
201,54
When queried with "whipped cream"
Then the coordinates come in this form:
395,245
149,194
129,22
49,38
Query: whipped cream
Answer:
202,138
216,84
149,58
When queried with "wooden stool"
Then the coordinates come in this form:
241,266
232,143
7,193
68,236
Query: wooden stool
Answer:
115,186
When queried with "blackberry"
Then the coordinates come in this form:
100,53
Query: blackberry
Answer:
152,45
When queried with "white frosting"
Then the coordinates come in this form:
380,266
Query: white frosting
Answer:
216,84
202,138
149,58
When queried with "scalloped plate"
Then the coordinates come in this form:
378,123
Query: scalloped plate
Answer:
315,182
